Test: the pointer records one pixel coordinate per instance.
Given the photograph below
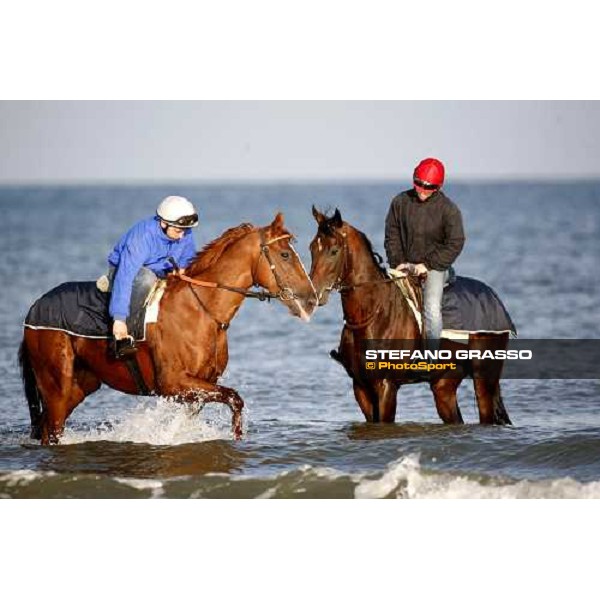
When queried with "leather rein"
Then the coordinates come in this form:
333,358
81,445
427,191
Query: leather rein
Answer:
283,293
340,287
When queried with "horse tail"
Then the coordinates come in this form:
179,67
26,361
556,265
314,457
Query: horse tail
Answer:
500,414
32,392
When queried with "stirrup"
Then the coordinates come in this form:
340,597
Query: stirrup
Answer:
124,348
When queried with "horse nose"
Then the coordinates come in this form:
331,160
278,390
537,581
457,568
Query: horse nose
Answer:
320,295
311,303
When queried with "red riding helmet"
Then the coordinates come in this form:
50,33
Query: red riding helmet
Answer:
430,171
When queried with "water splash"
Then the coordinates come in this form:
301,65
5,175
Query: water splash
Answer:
158,422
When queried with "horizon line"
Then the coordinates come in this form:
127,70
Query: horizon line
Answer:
484,179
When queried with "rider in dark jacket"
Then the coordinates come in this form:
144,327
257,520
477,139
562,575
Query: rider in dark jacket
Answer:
424,229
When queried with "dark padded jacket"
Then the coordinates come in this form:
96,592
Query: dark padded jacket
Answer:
429,232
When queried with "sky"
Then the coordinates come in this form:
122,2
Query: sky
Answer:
139,141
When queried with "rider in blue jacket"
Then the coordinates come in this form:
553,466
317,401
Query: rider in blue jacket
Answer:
142,255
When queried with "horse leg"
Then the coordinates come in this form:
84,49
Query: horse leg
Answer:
53,353
54,415
368,405
489,402
84,384
446,403
484,392
57,392
486,379
197,390
387,391
500,413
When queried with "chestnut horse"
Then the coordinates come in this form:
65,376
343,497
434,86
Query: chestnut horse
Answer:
185,352
374,308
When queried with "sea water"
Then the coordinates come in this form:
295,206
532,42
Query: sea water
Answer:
535,243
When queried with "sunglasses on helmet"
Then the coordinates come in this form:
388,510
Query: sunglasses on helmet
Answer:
425,185
185,221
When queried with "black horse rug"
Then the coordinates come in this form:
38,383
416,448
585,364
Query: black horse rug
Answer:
468,306
80,308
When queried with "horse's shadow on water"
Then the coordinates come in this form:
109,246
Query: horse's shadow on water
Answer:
141,461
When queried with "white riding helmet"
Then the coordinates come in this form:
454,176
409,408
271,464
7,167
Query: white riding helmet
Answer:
178,211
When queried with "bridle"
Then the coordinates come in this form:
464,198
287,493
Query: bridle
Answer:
284,293
339,285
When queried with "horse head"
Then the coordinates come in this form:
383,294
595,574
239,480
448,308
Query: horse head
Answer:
280,270
329,250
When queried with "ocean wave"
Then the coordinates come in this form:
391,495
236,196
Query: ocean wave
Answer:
155,487
405,478
22,477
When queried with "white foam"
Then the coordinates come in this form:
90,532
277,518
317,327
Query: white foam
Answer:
23,476
405,479
155,486
160,422
267,494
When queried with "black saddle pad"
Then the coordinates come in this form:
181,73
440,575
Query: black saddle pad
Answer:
471,305
79,307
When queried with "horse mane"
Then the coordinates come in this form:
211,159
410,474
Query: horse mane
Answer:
374,255
211,253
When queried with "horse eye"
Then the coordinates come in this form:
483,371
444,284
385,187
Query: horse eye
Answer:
334,251
285,255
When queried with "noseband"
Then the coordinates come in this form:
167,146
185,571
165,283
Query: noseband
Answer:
284,293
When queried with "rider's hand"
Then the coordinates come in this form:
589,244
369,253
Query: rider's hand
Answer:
417,270
120,330
176,273
420,269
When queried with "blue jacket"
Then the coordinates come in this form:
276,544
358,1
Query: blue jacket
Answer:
144,245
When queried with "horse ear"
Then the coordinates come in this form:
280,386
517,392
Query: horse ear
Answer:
336,220
277,224
319,217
